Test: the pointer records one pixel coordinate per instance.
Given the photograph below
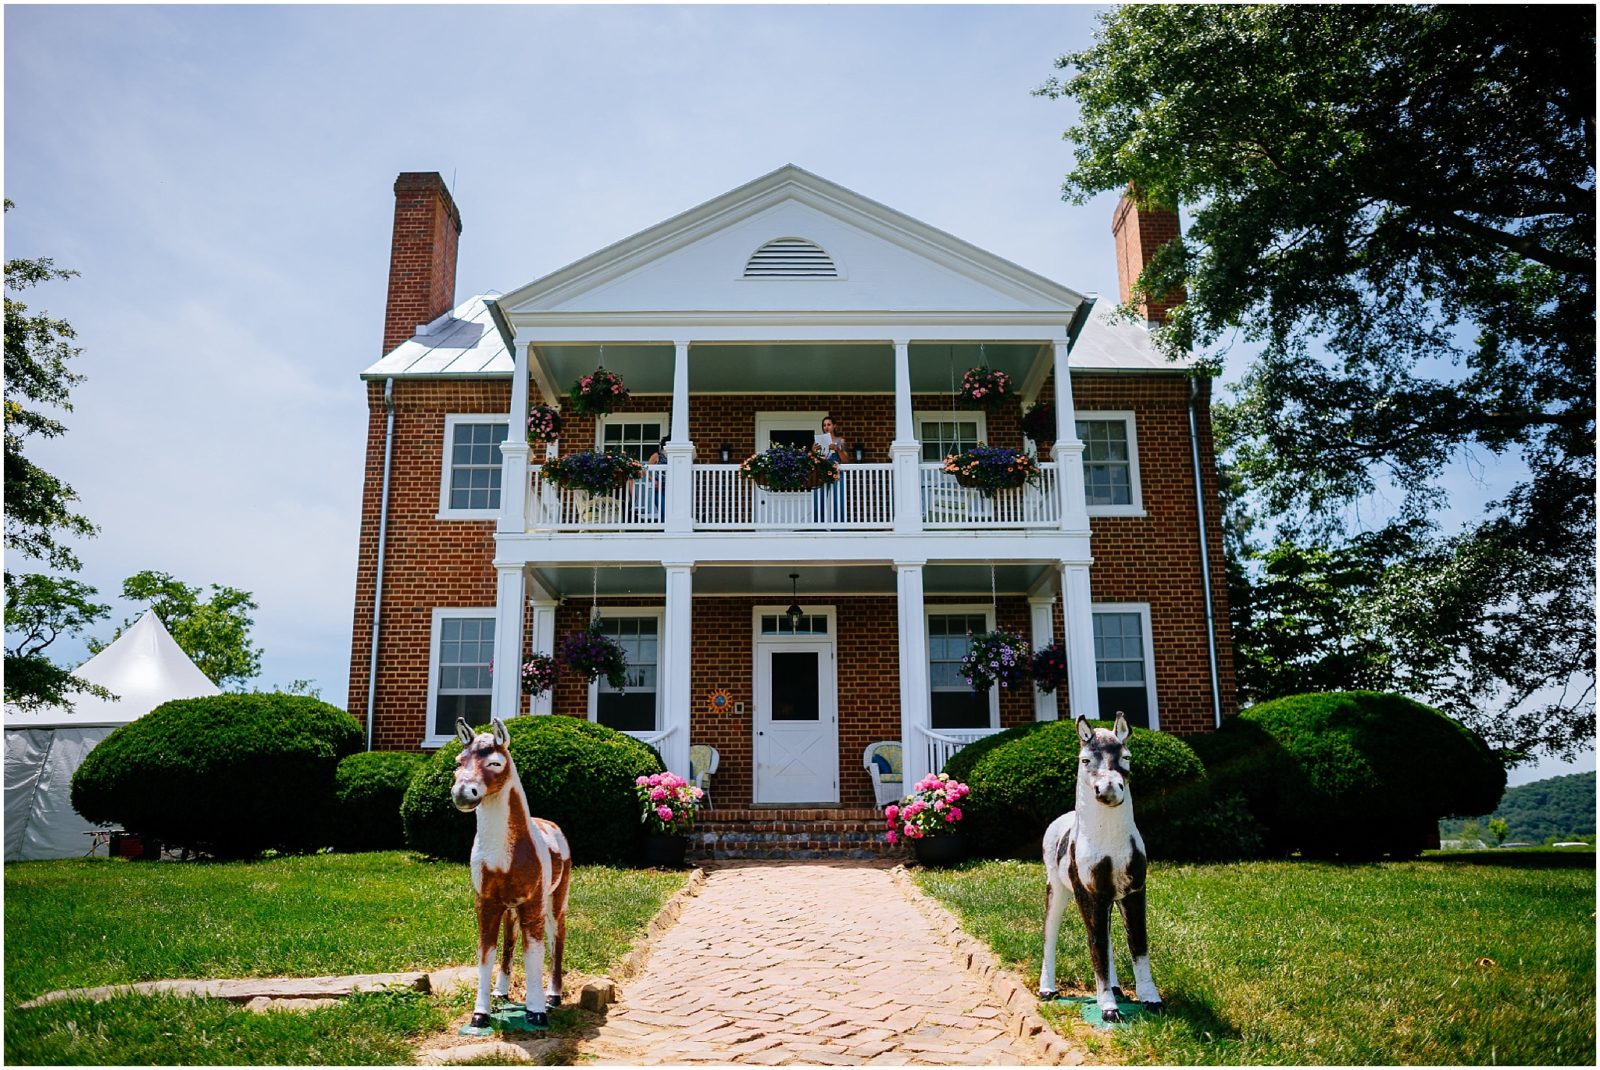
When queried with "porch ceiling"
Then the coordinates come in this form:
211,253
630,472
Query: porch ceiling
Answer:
816,583
799,367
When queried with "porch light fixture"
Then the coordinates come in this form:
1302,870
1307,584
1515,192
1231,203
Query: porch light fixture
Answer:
727,453
860,453
794,612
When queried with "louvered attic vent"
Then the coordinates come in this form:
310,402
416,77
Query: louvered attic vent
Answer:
790,258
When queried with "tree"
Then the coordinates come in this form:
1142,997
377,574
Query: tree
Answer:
39,610
1498,827
39,507
214,632
1395,208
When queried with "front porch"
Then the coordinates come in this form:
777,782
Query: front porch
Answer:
792,700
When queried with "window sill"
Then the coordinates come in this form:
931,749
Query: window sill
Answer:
1136,511
468,514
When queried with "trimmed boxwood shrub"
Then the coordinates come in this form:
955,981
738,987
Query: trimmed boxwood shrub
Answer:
1364,773
578,774
369,788
1024,778
229,775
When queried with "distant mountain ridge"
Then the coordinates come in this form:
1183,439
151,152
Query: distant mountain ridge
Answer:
1560,806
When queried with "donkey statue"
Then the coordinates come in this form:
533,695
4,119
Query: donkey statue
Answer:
1095,854
521,871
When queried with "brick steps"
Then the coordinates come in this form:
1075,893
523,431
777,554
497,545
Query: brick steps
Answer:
790,834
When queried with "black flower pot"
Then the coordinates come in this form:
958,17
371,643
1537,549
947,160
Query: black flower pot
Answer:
665,852
936,851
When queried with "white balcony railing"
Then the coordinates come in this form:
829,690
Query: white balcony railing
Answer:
637,506
942,744
947,504
726,500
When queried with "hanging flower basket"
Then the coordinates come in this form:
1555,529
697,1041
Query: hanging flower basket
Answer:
1050,667
983,388
544,424
785,468
992,468
593,655
992,658
539,673
598,393
1039,422
594,471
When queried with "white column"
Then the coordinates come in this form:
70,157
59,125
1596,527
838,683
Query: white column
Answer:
676,644
1042,609
514,468
904,451
1077,612
680,451
510,598
543,641
913,670
1068,451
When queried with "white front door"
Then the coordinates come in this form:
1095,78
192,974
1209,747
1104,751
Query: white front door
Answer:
796,723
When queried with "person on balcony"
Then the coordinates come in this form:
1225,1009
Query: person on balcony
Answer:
652,499
832,444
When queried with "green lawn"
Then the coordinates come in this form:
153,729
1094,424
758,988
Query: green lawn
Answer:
1442,960
93,922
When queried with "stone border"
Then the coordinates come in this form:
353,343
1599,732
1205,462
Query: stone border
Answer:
246,990
1017,1002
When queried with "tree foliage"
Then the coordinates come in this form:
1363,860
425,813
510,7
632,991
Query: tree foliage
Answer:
39,610
1394,206
214,632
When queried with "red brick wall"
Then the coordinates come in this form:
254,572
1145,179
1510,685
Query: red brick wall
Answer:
422,255
433,563
1156,558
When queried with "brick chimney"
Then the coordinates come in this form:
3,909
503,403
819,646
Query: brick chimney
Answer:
422,259
1139,231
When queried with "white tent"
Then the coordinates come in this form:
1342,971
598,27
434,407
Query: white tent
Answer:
145,668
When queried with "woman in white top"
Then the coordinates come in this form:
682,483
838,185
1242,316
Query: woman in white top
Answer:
832,445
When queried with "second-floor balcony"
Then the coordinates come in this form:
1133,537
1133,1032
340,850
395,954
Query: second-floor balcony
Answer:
864,499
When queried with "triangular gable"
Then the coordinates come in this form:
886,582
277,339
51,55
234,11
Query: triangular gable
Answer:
696,261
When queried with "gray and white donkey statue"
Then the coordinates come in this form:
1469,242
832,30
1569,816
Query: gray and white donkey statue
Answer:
1095,854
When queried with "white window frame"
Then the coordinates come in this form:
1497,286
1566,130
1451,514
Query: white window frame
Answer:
451,421
440,614
948,416
767,422
961,609
1135,506
1143,609
663,418
660,614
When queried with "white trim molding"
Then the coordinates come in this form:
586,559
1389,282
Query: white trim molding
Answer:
962,609
630,612
430,741
1147,638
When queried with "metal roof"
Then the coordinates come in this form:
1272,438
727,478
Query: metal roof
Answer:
461,344
1109,342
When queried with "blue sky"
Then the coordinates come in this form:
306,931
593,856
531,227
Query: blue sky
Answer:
221,177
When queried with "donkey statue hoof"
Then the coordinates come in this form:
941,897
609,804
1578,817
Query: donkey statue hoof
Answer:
1154,1008
538,1020
1048,994
552,999
1110,1014
479,1020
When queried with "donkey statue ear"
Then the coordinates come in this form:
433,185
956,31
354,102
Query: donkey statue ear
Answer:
1085,733
1121,729
463,730
501,736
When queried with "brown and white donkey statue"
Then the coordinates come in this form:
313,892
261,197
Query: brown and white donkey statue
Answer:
521,871
1095,854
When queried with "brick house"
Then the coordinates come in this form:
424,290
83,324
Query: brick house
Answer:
737,325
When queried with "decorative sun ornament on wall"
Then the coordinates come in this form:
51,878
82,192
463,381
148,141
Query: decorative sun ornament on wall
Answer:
719,701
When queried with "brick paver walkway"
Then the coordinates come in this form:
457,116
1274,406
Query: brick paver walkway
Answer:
804,963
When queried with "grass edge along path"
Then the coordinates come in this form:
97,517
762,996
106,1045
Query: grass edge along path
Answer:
1304,963
82,923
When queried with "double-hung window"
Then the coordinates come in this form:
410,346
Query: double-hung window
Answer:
944,433
635,437
470,481
952,702
1123,670
634,707
1110,464
459,671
